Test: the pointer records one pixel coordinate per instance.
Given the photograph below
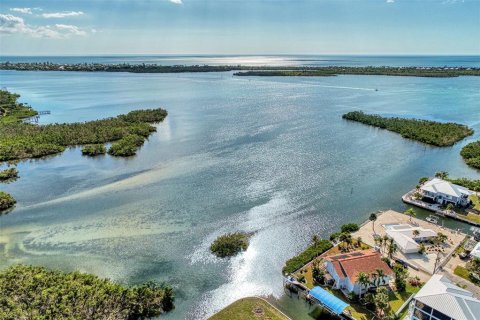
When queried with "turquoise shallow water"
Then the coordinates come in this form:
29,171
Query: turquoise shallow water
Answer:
269,155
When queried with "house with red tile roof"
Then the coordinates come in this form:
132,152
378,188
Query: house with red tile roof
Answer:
345,268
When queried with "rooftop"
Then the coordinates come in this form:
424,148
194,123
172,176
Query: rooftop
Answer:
476,251
442,295
403,236
441,186
352,263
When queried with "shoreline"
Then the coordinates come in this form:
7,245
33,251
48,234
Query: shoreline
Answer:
249,70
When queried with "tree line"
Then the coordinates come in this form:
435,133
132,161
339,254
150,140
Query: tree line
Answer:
431,132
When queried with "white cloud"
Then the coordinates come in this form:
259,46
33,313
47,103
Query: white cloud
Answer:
74,30
176,1
10,24
22,10
62,14
390,1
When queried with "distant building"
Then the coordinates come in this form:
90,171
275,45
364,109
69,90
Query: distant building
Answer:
345,268
440,299
444,192
407,242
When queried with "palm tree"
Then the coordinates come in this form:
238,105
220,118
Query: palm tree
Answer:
415,233
441,175
410,213
373,218
315,239
392,249
385,242
363,280
381,275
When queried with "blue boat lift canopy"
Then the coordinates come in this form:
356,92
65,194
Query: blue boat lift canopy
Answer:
328,300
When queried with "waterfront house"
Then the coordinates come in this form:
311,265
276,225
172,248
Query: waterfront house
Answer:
443,192
440,299
406,239
475,252
345,268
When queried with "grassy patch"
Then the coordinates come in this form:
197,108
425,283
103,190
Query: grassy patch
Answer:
462,272
431,132
475,201
472,217
249,309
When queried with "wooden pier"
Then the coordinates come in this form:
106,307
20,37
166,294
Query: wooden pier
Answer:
36,117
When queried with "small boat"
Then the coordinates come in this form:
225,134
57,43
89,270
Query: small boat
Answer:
432,219
376,89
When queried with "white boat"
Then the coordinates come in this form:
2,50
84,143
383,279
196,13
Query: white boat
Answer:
432,219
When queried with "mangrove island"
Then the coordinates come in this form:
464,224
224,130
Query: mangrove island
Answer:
431,132
29,292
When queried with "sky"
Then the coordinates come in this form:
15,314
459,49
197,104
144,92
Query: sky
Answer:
95,27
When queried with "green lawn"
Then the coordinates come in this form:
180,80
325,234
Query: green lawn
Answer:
249,309
398,298
475,201
473,217
462,272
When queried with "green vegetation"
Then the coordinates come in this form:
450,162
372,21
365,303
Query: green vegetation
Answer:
249,309
436,72
93,150
314,250
28,292
475,201
462,272
431,132
127,146
230,244
12,111
9,174
6,201
473,185
471,154
24,141
248,70
350,227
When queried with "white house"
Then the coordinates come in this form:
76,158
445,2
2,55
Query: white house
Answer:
444,192
403,235
345,268
476,251
440,299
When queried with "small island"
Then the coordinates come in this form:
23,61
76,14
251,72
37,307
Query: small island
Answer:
93,150
8,175
430,72
431,132
471,154
6,201
230,244
30,292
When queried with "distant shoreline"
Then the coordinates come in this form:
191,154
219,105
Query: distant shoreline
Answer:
245,70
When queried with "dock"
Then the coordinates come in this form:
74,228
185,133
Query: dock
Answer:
435,208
